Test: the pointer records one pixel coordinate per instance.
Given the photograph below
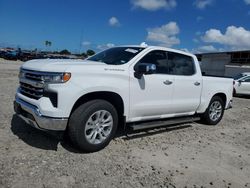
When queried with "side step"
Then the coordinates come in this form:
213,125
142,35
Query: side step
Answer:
161,123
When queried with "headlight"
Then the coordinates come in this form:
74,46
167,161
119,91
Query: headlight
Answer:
47,77
56,77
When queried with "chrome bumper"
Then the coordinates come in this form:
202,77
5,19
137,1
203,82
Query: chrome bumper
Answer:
32,116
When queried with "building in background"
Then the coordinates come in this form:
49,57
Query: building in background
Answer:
225,63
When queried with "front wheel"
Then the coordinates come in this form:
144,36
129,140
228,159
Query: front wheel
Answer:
92,125
214,112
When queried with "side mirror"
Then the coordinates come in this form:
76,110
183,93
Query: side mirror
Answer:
240,82
144,68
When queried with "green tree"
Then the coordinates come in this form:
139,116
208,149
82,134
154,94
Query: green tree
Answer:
64,52
84,55
48,43
90,52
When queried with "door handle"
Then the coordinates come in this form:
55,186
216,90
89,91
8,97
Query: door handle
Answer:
167,82
197,83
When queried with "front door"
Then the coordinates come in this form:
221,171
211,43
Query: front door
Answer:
151,96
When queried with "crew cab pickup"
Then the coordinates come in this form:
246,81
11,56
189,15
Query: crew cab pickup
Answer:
135,87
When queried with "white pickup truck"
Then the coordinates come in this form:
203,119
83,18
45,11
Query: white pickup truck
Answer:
128,86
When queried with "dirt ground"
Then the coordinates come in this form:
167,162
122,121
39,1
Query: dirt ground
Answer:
190,155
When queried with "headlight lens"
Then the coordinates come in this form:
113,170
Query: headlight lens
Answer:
57,77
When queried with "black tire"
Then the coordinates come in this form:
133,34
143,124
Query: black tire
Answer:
206,118
79,119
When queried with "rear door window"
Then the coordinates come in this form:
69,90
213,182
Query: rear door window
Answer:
247,79
180,64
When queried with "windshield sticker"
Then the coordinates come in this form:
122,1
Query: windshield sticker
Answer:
131,50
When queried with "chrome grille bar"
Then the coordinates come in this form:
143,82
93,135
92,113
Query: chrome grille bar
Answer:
30,87
32,83
33,94
34,77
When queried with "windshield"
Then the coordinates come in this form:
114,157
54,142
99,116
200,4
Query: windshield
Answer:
238,76
117,55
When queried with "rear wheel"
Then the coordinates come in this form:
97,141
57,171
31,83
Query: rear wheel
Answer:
214,112
92,125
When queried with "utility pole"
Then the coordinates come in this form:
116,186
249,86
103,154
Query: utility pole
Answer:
80,45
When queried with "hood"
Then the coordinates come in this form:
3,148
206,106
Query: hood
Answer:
56,65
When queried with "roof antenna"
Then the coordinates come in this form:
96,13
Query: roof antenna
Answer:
143,44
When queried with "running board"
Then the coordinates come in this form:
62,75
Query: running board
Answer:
161,123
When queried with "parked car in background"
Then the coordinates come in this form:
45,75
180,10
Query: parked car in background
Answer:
242,84
9,54
2,53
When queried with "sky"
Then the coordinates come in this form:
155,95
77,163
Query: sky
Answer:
78,25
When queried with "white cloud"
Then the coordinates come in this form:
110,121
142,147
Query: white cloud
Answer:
86,43
153,5
235,37
113,21
105,46
247,2
164,35
185,50
209,48
202,4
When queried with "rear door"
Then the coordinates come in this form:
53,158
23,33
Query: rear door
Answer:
187,83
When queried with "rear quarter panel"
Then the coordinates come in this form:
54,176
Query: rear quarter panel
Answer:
212,86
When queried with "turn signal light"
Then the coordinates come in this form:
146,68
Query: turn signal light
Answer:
66,77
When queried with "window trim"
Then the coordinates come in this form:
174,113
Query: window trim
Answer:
167,52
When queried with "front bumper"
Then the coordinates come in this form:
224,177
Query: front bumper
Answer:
32,116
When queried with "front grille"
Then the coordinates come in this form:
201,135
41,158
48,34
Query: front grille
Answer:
32,85
31,91
33,76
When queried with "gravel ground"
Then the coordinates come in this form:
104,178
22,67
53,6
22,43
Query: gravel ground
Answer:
190,155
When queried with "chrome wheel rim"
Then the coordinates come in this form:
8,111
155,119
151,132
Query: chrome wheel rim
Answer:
215,111
98,127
